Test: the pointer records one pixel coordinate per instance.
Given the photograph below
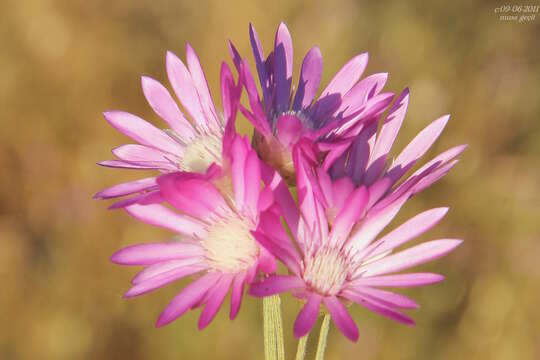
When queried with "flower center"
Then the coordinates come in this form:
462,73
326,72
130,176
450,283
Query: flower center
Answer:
326,270
201,152
229,245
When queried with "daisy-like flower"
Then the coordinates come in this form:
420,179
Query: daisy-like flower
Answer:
284,115
366,162
185,145
337,257
214,215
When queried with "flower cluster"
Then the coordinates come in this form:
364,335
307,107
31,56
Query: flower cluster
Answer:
228,200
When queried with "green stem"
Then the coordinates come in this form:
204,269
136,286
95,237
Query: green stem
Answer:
321,346
273,329
301,350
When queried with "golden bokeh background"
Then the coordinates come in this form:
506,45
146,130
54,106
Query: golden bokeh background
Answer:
64,62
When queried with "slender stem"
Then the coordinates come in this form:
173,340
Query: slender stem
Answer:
301,349
321,346
273,329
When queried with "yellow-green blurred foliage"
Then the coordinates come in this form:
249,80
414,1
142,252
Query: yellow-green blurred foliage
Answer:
64,62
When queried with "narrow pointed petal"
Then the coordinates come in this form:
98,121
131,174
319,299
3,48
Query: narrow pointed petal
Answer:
164,267
349,74
239,153
310,78
159,215
140,154
307,316
349,215
252,174
416,148
283,64
399,280
164,105
378,308
127,165
275,284
284,251
342,189
216,297
141,131
185,299
162,280
237,292
416,255
126,188
148,254
184,87
259,62
363,91
341,317
386,297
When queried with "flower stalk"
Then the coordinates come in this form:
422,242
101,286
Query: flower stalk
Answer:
301,349
273,329
323,336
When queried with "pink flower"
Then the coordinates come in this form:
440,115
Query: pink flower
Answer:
338,257
185,145
281,119
214,215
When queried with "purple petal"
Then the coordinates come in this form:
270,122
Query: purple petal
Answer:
148,254
400,280
259,62
215,298
164,105
416,255
141,131
275,284
159,215
283,64
127,188
189,296
341,317
310,78
307,316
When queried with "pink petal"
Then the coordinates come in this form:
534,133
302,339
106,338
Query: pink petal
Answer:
349,214
164,105
229,93
126,188
164,267
341,317
140,154
289,129
252,183
417,147
416,255
159,215
237,290
189,296
162,280
385,297
148,254
310,78
342,189
284,251
400,280
349,74
185,89
216,296
126,165
141,131
275,284
378,308
307,316
362,91
239,153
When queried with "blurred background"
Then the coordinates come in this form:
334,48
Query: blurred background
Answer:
63,63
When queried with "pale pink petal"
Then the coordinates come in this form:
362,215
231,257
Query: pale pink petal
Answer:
184,87
378,307
275,284
162,280
349,74
363,91
416,255
252,183
163,267
148,254
386,297
216,297
185,299
164,105
342,189
141,131
239,153
307,316
399,280
126,165
159,215
341,317
126,188
310,78
140,154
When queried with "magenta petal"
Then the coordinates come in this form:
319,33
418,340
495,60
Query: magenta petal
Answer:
215,298
184,87
341,317
400,280
162,280
349,74
275,284
416,255
342,189
310,78
252,190
164,105
126,188
237,292
189,296
239,153
159,215
141,131
349,214
289,129
147,254
307,316
283,250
